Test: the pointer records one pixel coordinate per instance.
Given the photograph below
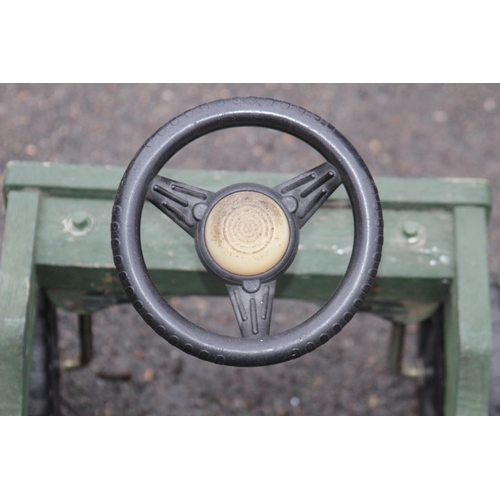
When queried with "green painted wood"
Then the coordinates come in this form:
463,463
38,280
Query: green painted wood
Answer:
408,274
412,280
412,272
18,293
468,318
102,181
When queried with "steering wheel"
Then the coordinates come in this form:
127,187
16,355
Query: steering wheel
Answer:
247,234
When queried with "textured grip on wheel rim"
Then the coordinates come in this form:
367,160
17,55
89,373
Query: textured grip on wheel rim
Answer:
345,301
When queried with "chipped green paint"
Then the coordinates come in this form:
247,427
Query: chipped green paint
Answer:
18,292
67,260
468,318
435,251
88,181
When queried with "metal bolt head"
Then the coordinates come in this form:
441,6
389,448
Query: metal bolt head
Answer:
411,228
199,211
291,203
410,233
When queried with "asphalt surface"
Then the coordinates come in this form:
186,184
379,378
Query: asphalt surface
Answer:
424,130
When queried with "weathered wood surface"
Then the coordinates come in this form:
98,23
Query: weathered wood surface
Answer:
418,272
448,263
468,318
89,181
66,260
18,293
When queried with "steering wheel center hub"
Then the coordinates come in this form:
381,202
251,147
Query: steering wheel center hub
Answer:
247,233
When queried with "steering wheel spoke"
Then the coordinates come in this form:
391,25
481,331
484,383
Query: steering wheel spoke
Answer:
182,203
304,194
253,303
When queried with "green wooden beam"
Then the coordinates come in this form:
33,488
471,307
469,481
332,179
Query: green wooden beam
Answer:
419,271
324,249
18,292
89,181
412,277
468,318
451,248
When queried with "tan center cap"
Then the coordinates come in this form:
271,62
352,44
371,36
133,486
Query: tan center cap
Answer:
247,233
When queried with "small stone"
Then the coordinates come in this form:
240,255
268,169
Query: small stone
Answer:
258,151
224,93
375,145
490,105
295,401
149,375
22,95
167,95
31,150
440,116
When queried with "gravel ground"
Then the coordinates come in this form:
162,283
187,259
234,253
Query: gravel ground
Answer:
419,130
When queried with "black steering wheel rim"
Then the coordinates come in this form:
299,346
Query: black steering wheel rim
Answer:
346,299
